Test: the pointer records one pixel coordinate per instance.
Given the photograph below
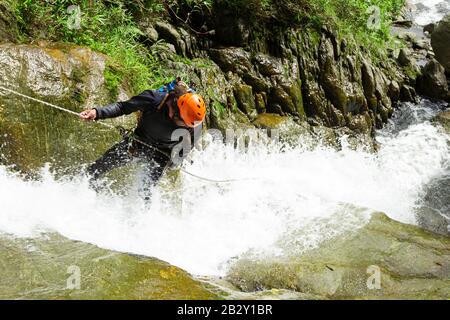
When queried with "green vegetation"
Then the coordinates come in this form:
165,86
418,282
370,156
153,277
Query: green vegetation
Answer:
105,26
367,20
109,26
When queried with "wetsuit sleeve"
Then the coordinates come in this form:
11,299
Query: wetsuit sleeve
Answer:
147,100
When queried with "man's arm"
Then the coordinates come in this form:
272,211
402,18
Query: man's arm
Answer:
146,100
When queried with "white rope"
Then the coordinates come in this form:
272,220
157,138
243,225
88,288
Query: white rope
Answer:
113,127
50,105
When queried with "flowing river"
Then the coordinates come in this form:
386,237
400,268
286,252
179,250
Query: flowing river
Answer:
295,198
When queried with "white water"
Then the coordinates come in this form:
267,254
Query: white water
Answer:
295,190
429,11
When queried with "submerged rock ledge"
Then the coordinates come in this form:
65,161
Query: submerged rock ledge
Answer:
413,264
43,268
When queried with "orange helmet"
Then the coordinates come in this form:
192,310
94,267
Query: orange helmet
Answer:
192,109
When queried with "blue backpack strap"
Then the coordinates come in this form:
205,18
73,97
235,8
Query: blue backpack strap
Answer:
168,87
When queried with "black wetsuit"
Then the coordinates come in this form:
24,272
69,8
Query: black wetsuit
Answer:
154,128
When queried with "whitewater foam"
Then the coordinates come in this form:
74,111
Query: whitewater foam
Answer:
202,226
429,11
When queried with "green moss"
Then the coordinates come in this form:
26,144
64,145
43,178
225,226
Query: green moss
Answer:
113,79
411,72
219,109
43,273
268,120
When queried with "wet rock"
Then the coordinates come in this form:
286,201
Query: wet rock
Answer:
431,220
440,41
69,76
258,84
278,96
269,120
394,90
429,28
407,93
341,268
404,58
403,23
41,269
244,98
57,72
360,123
444,119
268,66
172,36
368,82
232,59
433,82
261,102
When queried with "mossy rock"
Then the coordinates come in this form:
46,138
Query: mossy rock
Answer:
443,119
45,269
32,133
244,98
269,120
413,264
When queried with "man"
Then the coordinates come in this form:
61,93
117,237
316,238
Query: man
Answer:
162,114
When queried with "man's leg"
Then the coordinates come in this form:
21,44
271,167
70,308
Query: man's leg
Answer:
115,157
155,167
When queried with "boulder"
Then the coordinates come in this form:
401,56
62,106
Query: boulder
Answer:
267,65
236,60
149,32
433,82
404,58
444,119
407,93
73,77
244,98
171,35
285,129
440,41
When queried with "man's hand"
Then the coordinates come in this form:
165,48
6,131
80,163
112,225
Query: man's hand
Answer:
88,115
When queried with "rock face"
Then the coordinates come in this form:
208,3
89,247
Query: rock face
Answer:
440,40
313,76
32,134
304,74
413,264
61,73
48,269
